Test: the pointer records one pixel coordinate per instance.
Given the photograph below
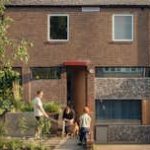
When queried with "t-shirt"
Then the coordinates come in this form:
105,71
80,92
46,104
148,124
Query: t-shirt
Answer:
37,102
85,121
69,115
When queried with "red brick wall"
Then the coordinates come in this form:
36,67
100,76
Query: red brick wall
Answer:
51,88
90,37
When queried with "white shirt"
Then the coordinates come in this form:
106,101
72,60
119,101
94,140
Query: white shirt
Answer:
37,102
85,121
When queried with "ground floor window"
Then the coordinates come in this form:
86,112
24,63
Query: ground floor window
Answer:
46,73
118,111
120,71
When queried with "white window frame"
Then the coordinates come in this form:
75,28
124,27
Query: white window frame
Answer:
48,28
113,28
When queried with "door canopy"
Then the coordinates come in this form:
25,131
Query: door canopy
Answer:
77,63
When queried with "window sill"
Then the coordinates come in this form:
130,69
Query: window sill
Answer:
56,42
118,123
121,42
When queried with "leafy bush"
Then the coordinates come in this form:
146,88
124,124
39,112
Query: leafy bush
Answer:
2,129
46,126
7,77
52,107
26,107
18,145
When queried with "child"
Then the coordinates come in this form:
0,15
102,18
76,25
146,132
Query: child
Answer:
85,124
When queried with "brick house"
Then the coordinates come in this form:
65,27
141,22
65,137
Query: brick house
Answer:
90,52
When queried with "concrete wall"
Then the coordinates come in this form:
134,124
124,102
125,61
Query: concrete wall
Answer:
122,88
20,124
23,124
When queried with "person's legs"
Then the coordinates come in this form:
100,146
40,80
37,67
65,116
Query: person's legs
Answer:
66,129
38,130
81,135
85,135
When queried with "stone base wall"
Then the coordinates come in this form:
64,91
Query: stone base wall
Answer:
131,134
122,88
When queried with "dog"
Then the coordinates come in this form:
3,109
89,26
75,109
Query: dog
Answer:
74,129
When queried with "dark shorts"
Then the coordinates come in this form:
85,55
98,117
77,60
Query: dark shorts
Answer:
39,120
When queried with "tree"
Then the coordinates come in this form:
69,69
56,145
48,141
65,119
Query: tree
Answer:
11,50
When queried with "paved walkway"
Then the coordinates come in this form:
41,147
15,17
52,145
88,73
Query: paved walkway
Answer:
68,144
58,143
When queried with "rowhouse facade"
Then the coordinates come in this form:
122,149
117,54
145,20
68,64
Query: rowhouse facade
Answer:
90,53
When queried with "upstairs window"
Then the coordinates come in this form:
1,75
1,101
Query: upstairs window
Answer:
46,73
58,27
122,27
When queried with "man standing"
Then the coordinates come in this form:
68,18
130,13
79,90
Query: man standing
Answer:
39,112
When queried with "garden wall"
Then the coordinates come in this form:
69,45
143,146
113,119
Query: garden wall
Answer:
20,124
23,124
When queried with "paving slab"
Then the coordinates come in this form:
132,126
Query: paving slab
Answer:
68,144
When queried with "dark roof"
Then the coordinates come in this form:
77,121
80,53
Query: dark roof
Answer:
79,2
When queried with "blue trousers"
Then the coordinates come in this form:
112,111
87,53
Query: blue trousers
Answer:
83,134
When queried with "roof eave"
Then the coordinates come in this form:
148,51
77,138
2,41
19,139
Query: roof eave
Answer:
81,5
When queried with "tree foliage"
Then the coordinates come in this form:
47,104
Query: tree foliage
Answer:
11,51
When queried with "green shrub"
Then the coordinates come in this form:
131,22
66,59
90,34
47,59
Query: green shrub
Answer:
26,107
19,145
46,126
2,129
52,107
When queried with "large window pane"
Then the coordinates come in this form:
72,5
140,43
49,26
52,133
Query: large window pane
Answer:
58,27
113,111
46,73
123,27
